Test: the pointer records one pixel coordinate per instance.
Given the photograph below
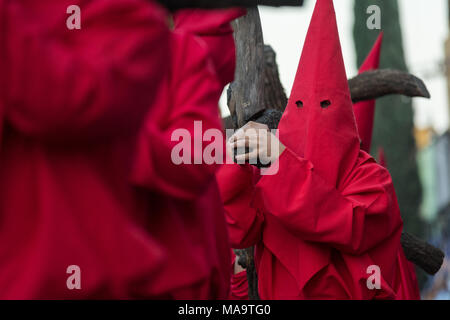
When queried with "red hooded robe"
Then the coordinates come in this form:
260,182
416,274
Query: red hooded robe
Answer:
71,102
330,212
186,213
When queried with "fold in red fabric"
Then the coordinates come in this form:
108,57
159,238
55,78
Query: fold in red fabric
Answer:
329,215
186,214
71,107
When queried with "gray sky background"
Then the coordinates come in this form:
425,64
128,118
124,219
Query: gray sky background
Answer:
424,27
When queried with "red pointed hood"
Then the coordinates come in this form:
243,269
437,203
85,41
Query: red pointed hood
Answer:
214,27
365,110
319,123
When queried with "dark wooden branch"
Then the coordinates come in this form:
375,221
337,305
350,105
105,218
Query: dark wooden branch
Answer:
422,254
214,4
378,83
274,94
246,93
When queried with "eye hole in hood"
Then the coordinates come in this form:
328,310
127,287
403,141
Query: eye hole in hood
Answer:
325,104
299,104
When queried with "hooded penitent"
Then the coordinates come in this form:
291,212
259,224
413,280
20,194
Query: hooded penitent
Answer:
326,212
365,110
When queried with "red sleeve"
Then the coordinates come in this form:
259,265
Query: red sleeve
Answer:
189,106
237,190
214,28
355,219
92,82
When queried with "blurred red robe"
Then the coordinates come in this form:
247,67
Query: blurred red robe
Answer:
214,28
187,215
71,104
329,214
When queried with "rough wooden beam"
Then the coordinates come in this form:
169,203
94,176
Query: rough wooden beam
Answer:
378,83
246,93
274,94
214,4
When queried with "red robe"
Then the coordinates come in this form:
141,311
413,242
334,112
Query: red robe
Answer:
186,213
71,103
326,258
330,212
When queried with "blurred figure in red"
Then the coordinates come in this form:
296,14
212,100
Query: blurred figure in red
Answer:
71,104
186,212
